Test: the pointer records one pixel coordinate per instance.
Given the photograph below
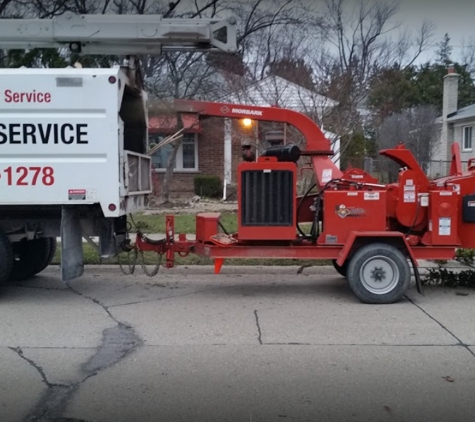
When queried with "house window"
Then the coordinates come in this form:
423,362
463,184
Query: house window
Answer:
189,152
467,138
187,155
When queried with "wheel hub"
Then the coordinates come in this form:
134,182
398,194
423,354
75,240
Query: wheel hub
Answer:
378,274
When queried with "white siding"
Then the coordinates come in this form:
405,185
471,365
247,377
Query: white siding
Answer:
458,137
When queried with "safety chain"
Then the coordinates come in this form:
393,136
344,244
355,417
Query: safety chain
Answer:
157,266
131,269
135,256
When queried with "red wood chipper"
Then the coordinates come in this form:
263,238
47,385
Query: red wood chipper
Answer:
374,233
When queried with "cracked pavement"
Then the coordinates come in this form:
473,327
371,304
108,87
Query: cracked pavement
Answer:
252,344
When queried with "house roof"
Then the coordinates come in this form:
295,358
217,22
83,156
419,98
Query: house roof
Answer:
276,91
168,124
463,113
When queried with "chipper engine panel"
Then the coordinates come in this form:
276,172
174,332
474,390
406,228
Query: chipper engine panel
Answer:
267,200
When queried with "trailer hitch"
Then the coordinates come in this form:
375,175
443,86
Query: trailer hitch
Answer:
168,246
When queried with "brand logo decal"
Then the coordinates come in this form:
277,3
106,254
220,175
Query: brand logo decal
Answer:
245,111
343,211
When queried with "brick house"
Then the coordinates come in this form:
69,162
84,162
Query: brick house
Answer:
455,125
201,152
214,145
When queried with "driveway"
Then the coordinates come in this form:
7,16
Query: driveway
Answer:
251,344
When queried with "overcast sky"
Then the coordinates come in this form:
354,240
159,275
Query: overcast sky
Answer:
455,17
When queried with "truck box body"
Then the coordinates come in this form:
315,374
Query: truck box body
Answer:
73,141
62,140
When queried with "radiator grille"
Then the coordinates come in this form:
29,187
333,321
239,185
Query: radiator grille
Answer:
267,198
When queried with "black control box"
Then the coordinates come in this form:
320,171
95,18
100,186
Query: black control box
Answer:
469,209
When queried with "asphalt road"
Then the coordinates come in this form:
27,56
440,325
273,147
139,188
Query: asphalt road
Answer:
248,345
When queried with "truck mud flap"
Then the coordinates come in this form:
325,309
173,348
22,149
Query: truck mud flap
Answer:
72,258
107,242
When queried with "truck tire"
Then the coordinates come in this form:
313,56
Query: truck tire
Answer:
379,274
49,258
29,258
342,270
6,258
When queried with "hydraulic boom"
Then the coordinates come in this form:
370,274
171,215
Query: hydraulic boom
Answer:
119,34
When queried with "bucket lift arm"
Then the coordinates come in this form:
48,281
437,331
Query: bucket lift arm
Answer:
119,34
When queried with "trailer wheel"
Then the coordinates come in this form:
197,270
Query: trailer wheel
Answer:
29,258
341,269
6,258
379,274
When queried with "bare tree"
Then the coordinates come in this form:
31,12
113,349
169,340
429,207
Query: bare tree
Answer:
468,54
3,6
5,9
344,44
357,43
358,36
183,75
194,75
415,129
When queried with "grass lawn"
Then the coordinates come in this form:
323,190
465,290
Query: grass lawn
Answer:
184,223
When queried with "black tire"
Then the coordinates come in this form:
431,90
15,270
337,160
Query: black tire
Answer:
29,256
342,270
379,274
49,258
6,258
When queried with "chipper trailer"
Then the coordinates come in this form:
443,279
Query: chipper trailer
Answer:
73,164
374,233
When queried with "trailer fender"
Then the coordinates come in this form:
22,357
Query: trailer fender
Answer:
357,239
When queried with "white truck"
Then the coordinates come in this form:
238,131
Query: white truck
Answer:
73,141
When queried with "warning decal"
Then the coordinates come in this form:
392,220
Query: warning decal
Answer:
371,196
444,226
77,194
409,192
327,175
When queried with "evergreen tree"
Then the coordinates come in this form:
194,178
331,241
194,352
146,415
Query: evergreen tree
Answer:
391,90
35,57
444,51
429,85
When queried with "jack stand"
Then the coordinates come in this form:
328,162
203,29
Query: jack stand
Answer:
218,264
